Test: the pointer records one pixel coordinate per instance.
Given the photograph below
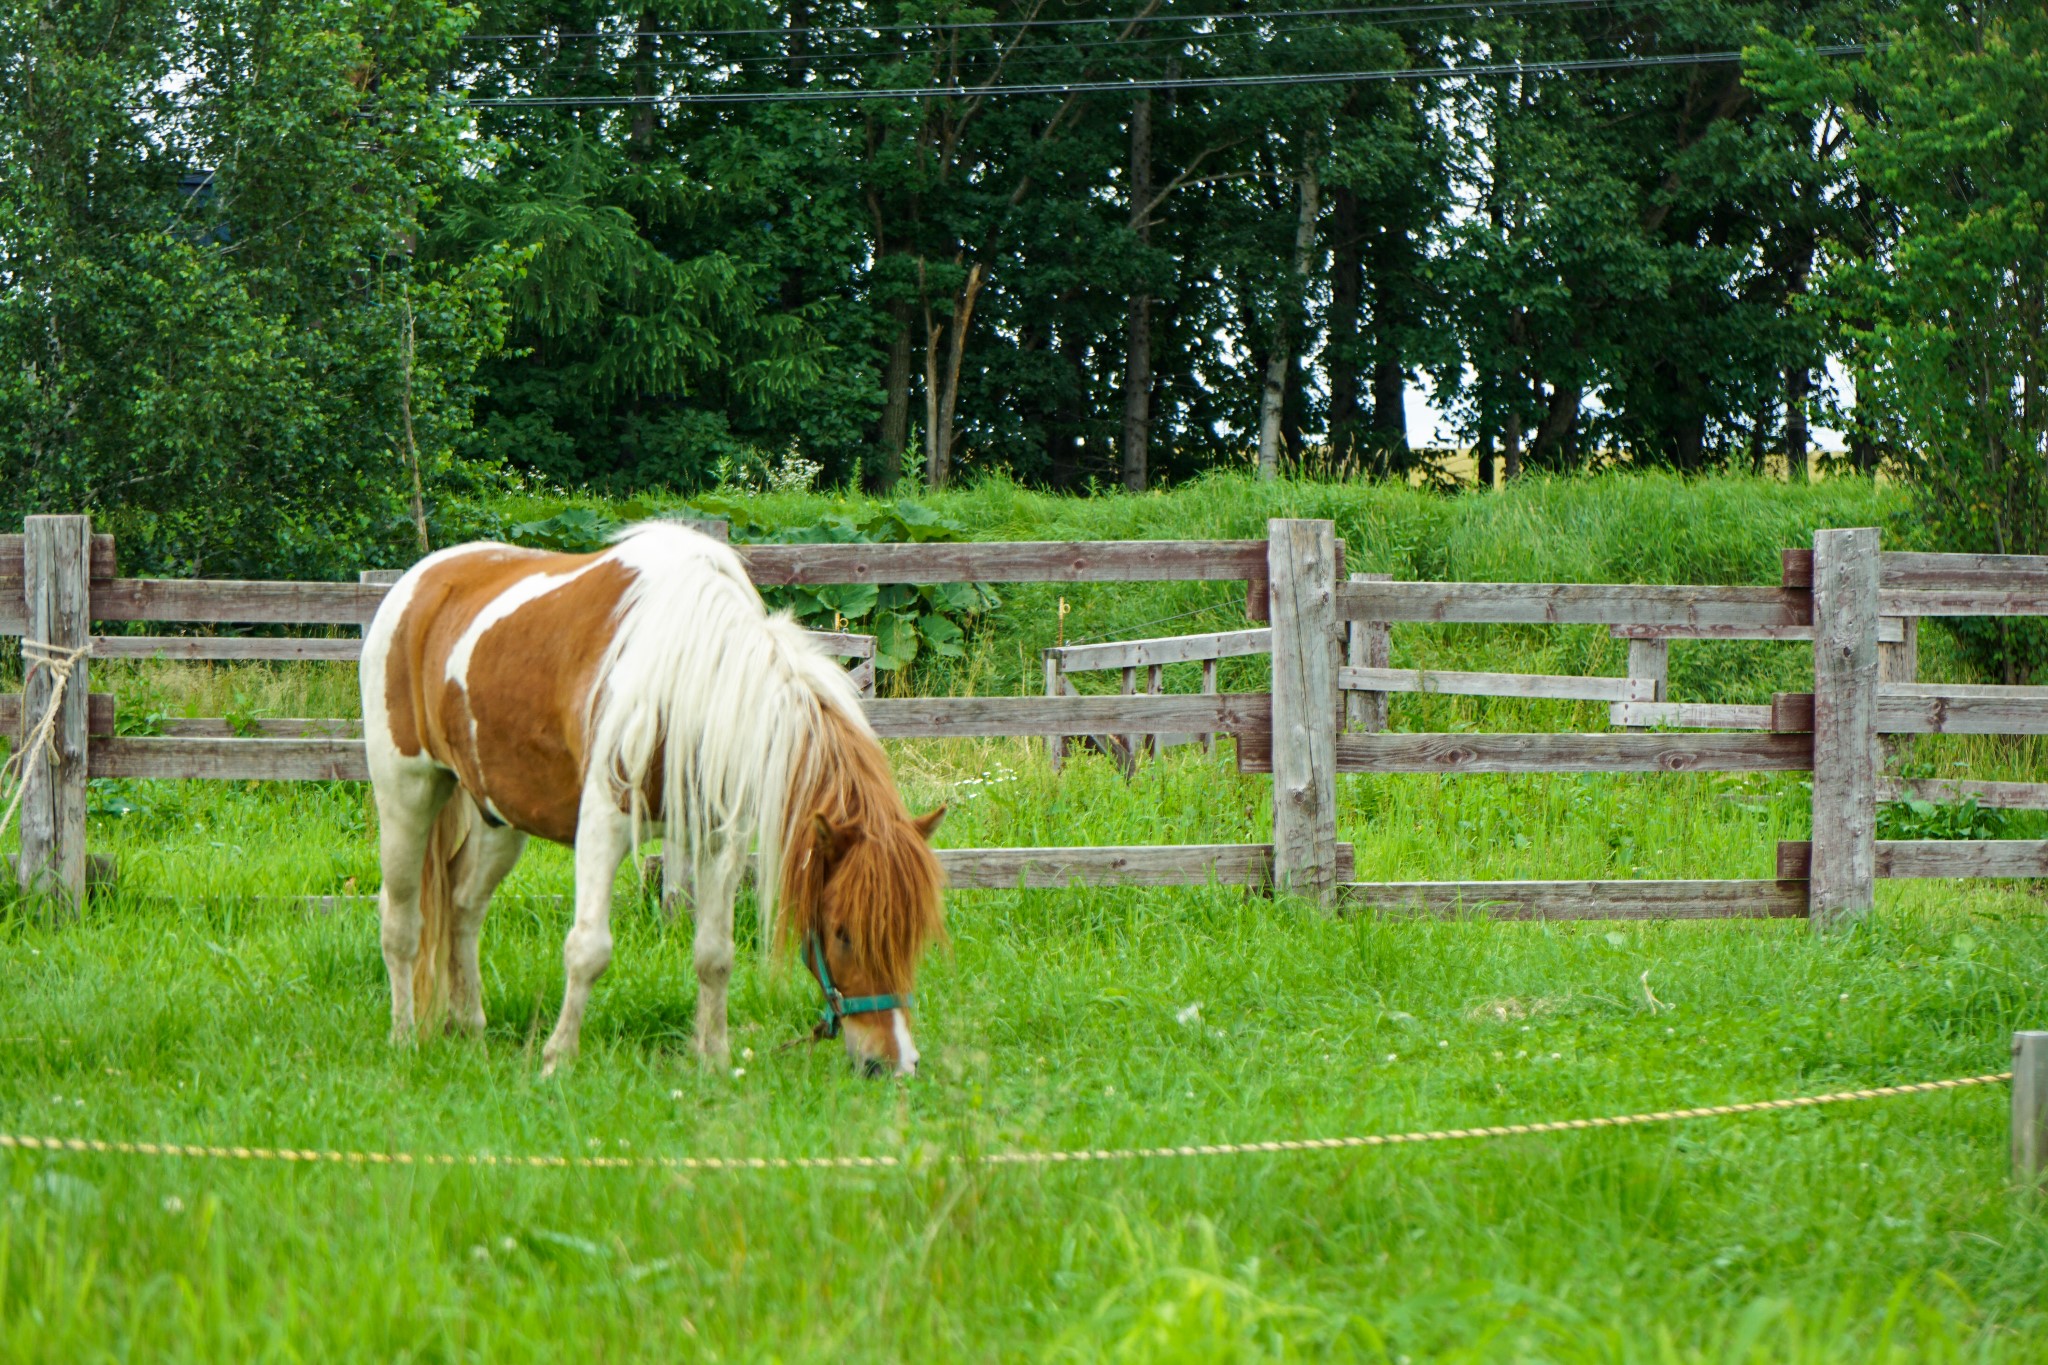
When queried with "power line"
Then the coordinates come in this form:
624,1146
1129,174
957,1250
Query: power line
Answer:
1276,79
1086,48
1422,7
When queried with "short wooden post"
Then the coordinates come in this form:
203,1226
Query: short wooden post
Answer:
1209,690
1899,662
1155,686
2030,1108
1301,565
1132,742
1843,881
56,588
1651,660
675,881
1055,744
1367,644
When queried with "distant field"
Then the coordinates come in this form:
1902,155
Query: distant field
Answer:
198,1005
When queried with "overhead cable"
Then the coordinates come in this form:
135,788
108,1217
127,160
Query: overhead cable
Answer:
835,94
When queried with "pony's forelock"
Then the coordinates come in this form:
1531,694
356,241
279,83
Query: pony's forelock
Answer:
851,830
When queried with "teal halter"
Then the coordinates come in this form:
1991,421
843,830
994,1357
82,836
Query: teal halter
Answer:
837,1006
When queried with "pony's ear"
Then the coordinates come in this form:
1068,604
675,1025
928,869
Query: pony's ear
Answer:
927,823
833,840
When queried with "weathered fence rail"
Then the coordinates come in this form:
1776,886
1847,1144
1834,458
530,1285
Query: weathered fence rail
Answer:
57,580
1329,645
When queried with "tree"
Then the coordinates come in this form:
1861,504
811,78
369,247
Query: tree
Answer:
1948,321
215,331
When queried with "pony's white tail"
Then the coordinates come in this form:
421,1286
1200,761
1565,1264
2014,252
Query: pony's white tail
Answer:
727,697
447,847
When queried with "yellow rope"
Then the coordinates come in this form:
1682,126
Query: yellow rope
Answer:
99,1146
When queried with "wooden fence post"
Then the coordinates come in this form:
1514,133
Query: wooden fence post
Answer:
1209,690
2029,1108
1301,566
1900,662
1055,744
1843,881
1367,644
56,588
676,885
1651,660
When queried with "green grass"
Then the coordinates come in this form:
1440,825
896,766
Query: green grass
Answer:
196,1005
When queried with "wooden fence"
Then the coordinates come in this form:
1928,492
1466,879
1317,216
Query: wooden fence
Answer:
64,579
1328,638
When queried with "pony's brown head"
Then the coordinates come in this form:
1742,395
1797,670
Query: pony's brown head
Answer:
863,901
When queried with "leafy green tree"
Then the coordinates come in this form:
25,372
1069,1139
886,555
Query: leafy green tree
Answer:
215,332
1948,321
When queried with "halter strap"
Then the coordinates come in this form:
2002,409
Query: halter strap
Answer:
838,1006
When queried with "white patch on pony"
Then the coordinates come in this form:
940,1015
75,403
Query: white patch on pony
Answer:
376,657
732,697
526,590
906,1050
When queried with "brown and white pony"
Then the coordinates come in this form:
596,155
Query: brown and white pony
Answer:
511,692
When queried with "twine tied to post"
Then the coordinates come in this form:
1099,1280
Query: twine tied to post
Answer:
38,655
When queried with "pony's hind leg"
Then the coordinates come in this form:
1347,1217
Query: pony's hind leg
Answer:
491,854
604,836
409,800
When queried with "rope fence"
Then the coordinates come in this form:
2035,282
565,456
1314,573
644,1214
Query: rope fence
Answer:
492,1160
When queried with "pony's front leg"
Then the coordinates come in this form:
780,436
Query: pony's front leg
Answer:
713,951
604,836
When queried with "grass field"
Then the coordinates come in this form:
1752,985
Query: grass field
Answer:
188,1007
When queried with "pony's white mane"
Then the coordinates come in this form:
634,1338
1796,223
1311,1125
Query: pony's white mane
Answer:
731,696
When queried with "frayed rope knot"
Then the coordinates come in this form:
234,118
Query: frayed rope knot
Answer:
38,656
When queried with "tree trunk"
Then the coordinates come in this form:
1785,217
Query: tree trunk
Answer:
1689,442
1511,439
798,72
895,433
1137,426
1137,423
1273,397
942,379
1549,448
1798,384
1347,293
1482,448
1514,392
1389,412
412,449
640,134
1064,449
1393,271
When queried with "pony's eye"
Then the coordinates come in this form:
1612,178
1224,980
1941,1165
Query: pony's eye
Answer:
844,941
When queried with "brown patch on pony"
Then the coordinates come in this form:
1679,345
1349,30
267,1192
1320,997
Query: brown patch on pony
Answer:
514,735
856,863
